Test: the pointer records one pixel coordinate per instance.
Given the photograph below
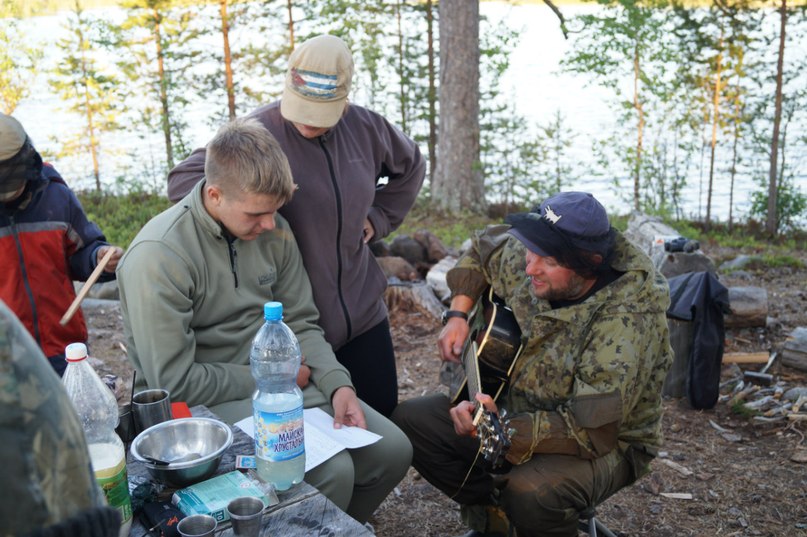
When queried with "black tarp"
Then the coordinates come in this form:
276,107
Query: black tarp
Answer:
699,298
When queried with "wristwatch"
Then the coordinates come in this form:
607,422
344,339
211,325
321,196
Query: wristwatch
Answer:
448,314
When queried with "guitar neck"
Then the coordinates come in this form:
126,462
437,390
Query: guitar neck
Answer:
473,382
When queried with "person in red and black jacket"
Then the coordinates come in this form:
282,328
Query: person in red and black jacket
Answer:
46,242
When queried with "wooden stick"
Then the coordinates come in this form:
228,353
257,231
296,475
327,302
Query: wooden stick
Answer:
86,287
746,357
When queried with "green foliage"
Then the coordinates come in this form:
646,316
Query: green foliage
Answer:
627,40
89,88
122,217
521,164
160,39
18,58
791,203
452,231
782,260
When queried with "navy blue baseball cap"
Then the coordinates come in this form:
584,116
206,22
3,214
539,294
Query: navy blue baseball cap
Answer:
567,219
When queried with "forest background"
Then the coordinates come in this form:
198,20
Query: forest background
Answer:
704,91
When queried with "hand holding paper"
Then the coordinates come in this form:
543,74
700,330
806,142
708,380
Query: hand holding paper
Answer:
322,440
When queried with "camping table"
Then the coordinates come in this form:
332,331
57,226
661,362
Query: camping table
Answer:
302,511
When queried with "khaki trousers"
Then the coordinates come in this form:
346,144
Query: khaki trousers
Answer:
541,497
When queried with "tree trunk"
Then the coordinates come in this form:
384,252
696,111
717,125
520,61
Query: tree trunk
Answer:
228,59
166,119
401,76
88,108
458,184
715,124
735,155
772,221
432,91
291,25
637,104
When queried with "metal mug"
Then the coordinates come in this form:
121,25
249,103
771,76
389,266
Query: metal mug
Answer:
197,526
126,425
246,514
151,407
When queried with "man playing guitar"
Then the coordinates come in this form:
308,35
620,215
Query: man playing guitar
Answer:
583,393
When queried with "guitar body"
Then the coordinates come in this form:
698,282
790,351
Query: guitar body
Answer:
491,350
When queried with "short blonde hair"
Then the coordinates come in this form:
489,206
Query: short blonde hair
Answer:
244,157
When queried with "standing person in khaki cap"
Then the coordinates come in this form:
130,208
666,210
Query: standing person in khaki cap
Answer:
338,152
46,242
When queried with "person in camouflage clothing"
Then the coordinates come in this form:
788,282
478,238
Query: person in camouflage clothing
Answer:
584,398
47,481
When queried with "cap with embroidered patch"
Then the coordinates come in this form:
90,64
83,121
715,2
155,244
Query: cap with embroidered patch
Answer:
576,218
317,82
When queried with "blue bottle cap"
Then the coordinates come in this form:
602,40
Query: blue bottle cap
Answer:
273,311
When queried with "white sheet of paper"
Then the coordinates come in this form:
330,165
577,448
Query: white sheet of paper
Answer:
322,441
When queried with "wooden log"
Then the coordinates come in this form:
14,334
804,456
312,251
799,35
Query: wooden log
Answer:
746,357
794,350
749,307
648,233
643,229
416,296
436,277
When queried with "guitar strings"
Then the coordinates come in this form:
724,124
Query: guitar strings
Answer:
467,475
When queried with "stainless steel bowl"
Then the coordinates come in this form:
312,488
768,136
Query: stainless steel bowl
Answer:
183,451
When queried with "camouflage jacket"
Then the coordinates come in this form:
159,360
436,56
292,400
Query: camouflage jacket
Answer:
46,477
589,377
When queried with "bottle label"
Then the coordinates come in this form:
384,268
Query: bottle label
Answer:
279,435
116,490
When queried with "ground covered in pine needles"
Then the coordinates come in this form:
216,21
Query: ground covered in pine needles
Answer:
720,473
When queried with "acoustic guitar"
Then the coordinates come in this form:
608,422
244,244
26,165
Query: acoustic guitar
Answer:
488,357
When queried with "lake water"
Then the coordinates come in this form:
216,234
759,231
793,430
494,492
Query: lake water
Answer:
533,82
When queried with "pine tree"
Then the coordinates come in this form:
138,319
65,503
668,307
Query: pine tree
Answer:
90,90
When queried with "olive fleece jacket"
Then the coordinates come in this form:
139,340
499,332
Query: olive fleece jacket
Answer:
192,302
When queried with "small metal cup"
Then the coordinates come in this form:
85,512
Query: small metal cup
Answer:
246,515
197,526
126,425
150,408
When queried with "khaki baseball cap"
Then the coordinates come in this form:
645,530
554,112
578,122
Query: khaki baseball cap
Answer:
317,82
12,139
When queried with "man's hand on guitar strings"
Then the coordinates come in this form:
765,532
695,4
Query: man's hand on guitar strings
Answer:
452,338
463,417
464,413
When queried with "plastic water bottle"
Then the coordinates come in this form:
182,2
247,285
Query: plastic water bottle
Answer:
97,410
278,402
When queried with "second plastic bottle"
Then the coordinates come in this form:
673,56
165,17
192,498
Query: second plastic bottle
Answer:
278,402
97,409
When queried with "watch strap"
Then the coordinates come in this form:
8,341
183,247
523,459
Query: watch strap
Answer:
449,314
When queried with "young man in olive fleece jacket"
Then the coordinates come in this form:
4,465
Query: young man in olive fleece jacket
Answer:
584,399
193,284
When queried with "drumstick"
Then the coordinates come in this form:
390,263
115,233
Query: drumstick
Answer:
86,287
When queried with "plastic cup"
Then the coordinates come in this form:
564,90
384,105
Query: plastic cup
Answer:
151,407
197,526
246,515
